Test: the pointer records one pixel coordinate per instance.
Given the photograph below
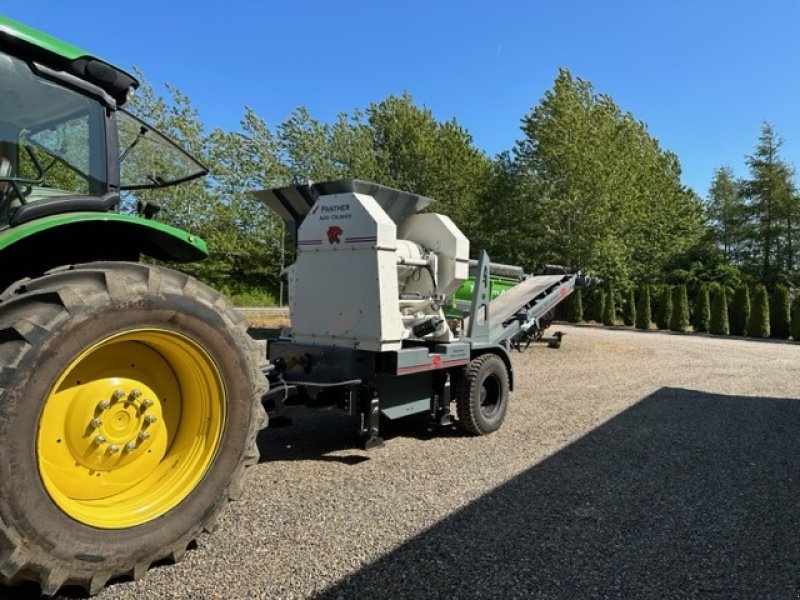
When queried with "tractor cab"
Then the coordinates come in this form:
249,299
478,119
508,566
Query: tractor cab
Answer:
65,143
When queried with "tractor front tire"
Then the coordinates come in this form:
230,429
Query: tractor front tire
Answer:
482,395
129,406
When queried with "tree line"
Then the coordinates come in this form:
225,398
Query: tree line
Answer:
585,185
714,308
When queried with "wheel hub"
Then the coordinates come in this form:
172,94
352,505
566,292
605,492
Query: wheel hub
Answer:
113,422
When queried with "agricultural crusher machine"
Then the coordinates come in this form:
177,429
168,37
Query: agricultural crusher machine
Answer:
131,394
368,293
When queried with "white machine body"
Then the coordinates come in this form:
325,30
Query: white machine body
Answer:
363,280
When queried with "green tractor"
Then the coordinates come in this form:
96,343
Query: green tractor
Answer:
130,394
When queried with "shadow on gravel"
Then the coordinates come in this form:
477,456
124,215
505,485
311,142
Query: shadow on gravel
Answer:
685,494
29,591
315,435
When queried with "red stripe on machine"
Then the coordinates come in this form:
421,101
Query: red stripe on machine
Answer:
442,364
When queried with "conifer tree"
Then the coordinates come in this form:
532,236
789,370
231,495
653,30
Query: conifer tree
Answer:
719,311
679,320
796,319
758,325
629,310
664,308
643,314
575,307
740,310
598,305
609,308
701,311
780,319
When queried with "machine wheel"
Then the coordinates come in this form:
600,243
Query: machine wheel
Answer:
129,407
482,395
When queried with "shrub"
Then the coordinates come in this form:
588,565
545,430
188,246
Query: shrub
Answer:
740,310
780,319
575,307
796,319
609,307
719,311
701,311
664,314
643,307
758,324
679,320
629,310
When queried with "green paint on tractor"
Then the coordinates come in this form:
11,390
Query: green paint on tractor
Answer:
15,234
40,39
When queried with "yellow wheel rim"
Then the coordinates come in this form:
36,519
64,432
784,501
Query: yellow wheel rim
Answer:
130,428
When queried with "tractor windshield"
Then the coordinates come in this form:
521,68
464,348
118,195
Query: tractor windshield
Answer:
52,139
149,159
54,142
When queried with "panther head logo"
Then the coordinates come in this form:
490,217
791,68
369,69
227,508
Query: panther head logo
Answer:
334,232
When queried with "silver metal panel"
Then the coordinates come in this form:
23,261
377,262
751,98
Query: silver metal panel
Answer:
511,302
292,203
407,409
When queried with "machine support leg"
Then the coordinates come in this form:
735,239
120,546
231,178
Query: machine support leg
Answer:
370,419
440,401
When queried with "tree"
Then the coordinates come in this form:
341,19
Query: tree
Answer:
599,305
773,206
575,307
758,325
796,319
643,307
679,320
609,308
780,318
740,310
701,311
243,236
728,214
608,199
719,311
629,309
664,314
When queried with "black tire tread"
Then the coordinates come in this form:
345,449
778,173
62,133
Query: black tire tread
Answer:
35,306
466,389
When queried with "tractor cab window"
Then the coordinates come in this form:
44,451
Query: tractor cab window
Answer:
52,139
149,159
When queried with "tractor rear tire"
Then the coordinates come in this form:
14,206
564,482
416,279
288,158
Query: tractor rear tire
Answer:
130,400
482,395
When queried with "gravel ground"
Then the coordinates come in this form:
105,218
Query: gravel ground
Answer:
631,464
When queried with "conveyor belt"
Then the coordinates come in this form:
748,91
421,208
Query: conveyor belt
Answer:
517,298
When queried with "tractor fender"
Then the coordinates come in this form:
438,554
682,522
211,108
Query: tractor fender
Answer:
502,352
32,248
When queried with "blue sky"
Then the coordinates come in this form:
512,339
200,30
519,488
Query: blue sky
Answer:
702,75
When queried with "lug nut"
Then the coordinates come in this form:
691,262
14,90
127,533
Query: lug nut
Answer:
113,449
130,446
100,439
136,393
144,435
147,403
96,422
119,394
104,405
150,419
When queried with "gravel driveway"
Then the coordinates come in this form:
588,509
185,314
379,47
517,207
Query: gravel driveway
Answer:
631,464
